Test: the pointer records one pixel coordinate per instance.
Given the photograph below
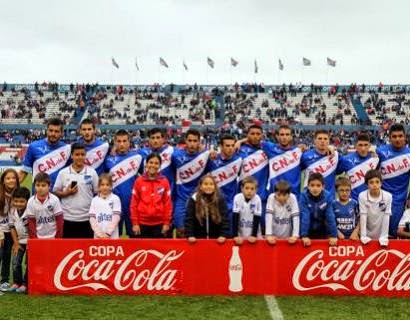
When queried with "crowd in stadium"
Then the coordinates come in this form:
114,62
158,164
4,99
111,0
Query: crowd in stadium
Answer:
248,188
166,105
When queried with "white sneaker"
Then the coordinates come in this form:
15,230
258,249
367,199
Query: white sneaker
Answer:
21,289
5,286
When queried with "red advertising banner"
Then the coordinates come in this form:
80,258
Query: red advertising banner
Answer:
174,267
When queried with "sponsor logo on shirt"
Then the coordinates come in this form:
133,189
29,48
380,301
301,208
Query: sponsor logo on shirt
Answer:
104,217
395,167
227,173
253,163
357,173
95,157
192,169
45,220
284,162
125,169
52,161
326,166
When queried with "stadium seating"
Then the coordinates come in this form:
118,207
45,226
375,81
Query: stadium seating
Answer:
387,107
149,109
35,107
298,109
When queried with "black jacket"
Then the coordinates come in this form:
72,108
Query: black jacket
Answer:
194,229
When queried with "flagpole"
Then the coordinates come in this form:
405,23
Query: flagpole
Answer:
206,72
327,74
159,79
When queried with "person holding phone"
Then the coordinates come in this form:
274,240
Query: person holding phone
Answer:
76,186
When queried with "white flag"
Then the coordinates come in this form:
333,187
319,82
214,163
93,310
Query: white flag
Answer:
331,62
210,62
185,65
234,62
306,62
163,63
114,63
136,64
281,66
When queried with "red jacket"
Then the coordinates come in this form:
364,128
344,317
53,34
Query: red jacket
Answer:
151,201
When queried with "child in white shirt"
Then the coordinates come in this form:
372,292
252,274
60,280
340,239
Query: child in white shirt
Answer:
375,210
105,210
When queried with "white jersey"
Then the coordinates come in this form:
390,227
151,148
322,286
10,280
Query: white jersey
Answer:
19,223
103,211
45,214
76,206
282,221
374,210
246,211
405,218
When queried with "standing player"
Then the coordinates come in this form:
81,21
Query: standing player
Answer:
225,170
157,143
48,155
255,160
357,163
395,169
317,160
284,161
255,163
96,149
124,167
190,164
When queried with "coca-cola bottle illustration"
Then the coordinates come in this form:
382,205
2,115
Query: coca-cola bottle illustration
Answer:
235,271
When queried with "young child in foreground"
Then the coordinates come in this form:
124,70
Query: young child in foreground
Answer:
346,211
247,211
375,210
282,215
316,212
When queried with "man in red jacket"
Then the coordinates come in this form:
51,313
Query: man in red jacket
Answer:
151,206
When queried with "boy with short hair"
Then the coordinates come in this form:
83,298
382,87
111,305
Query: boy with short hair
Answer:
19,233
282,214
247,211
76,186
317,219
346,211
44,213
375,207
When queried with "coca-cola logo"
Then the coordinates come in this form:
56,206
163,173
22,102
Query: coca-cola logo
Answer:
382,270
109,268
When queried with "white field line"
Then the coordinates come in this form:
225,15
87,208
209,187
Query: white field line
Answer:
274,310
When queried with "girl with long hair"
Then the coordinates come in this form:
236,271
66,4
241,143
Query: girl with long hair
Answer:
206,216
